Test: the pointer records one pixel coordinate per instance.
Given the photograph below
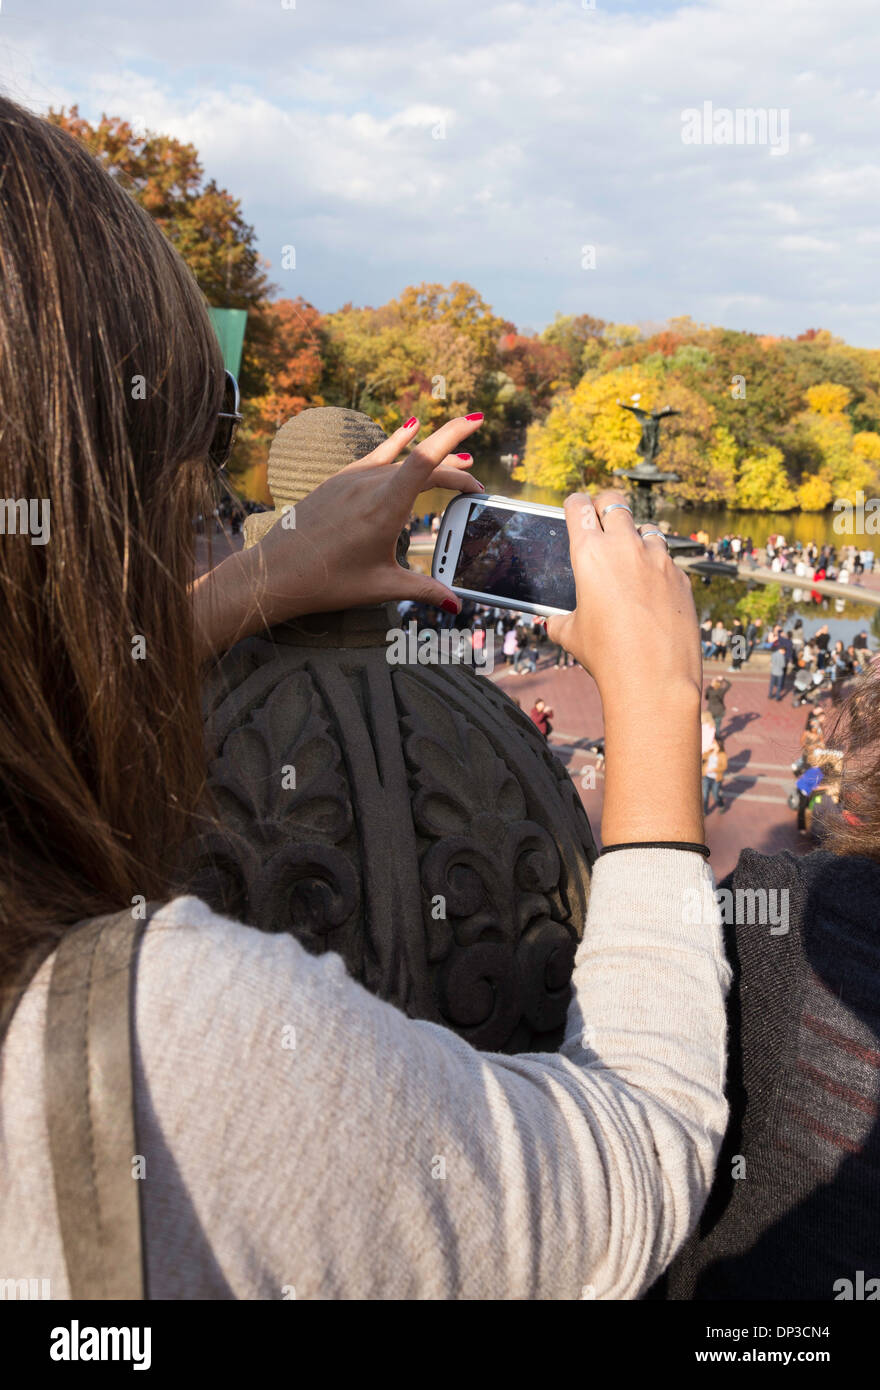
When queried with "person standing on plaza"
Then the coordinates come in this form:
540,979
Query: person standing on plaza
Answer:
525,652
777,673
714,768
717,690
510,646
540,716
821,639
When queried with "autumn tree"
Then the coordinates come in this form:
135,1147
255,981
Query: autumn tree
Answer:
762,483
390,367
536,367
579,336
841,460
294,362
815,493
203,221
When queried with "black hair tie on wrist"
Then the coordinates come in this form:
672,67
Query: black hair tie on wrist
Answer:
693,848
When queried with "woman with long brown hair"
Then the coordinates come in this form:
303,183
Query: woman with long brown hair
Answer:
288,1130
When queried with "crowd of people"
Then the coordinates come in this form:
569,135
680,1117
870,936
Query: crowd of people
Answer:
799,665
808,561
809,669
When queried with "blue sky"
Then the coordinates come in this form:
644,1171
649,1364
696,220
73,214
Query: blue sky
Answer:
392,142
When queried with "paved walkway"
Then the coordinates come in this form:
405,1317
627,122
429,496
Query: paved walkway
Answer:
761,742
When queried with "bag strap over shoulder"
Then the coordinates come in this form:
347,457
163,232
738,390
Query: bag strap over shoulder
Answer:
90,1107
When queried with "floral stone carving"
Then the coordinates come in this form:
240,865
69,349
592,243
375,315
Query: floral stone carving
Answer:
410,818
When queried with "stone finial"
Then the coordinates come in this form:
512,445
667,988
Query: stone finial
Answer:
307,450
422,829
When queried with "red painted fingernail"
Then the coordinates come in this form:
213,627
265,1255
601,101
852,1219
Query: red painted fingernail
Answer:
479,485
477,416
449,606
464,456
409,424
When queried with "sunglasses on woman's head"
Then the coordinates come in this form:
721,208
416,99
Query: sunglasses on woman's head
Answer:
228,421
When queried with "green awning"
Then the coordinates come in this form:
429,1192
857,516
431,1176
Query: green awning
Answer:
229,326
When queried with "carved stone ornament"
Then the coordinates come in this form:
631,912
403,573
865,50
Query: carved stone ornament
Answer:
409,817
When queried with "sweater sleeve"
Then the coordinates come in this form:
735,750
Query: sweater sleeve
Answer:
307,1140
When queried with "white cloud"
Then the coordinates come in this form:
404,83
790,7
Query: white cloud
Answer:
807,243
561,127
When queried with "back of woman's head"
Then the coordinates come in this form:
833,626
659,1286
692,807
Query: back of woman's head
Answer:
110,381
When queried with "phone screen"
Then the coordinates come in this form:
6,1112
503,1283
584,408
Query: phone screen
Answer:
521,556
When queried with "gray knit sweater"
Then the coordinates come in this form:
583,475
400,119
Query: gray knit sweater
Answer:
302,1138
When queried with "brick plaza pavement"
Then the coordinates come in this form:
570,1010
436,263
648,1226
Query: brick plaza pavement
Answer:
761,741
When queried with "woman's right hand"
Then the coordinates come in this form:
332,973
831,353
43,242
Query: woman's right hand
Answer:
634,628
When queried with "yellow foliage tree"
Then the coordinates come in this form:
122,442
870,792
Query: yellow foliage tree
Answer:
866,446
587,435
828,398
762,485
849,461
691,447
815,493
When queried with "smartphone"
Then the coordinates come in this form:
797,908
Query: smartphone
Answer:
505,553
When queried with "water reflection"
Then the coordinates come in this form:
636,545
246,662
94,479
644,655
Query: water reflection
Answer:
718,600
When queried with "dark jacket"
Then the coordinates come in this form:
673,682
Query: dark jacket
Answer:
795,1206
715,698
783,644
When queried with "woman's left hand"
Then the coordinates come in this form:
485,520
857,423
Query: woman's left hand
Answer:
337,550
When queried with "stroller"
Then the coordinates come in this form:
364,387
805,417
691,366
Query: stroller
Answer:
808,686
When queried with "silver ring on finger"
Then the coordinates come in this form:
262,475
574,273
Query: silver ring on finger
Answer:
613,507
645,534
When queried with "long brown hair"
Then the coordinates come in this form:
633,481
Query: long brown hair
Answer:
855,733
111,378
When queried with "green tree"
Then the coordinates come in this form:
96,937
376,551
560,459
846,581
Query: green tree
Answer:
769,602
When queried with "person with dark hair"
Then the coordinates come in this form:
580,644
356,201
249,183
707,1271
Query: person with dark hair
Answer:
821,640
526,652
541,716
297,1129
